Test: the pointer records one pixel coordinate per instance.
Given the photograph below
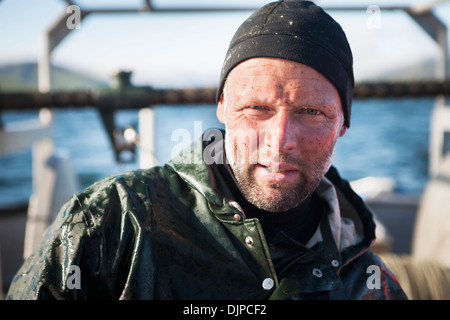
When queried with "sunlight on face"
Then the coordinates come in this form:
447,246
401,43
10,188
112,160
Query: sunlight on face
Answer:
282,121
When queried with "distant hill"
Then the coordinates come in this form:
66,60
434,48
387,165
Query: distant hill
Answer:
24,77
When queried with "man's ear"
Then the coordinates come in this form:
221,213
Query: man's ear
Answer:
220,112
343,130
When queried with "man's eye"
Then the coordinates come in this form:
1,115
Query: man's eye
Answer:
257,107
312,112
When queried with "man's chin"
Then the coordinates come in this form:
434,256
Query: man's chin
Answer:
269,195
275,200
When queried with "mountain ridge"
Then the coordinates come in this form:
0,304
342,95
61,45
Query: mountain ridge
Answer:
24,77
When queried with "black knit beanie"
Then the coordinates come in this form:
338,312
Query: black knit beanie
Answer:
299,31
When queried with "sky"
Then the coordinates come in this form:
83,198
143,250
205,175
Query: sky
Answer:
187,50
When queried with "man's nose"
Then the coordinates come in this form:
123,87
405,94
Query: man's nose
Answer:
285,131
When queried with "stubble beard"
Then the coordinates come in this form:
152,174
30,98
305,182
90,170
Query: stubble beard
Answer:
271,196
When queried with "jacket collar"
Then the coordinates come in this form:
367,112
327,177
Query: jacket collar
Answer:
196,163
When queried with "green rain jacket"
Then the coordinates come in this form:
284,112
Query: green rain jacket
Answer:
175,232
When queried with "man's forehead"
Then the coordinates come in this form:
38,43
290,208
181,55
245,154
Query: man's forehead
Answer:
261,74
284,69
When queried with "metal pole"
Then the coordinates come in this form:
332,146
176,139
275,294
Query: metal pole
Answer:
146,141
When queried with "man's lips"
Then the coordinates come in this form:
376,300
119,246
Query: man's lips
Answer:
278,167
278,173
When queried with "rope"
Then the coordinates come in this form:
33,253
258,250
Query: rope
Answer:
420,279
131,97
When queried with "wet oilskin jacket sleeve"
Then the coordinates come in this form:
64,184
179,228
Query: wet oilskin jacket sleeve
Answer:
88,250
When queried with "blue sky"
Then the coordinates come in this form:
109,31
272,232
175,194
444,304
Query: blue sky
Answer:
181,50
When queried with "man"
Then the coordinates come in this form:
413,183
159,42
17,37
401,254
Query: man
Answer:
262,216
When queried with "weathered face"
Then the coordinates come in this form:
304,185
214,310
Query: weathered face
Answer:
282,121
